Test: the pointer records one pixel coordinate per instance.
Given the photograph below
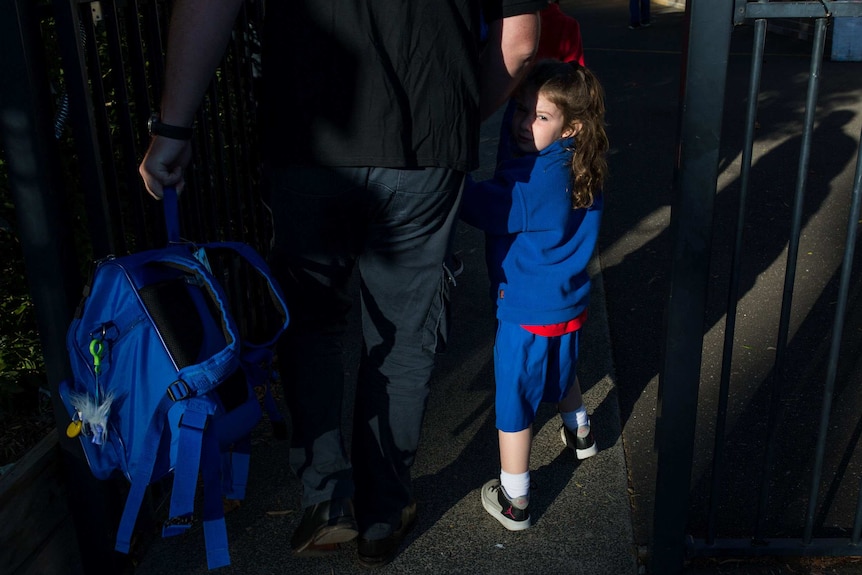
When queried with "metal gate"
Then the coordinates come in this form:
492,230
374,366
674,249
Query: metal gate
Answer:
746,500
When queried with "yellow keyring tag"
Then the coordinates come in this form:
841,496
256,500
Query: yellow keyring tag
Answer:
74,429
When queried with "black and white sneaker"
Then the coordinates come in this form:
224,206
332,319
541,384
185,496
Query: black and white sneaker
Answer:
582,443
513,514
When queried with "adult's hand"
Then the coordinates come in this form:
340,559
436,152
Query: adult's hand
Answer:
163,165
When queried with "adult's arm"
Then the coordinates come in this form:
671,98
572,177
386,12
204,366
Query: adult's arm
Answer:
197,36
511,45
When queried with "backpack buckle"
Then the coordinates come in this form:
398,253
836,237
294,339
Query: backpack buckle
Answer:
179,390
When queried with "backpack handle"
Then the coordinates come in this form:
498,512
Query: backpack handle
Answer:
172,225
171,202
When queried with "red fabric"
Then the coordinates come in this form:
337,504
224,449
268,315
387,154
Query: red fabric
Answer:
556,329
560,37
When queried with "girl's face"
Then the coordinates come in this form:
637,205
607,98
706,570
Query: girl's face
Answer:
537,123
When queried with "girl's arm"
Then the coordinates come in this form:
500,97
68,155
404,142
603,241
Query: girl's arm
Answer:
494,206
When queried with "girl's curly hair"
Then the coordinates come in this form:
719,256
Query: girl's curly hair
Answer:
580,97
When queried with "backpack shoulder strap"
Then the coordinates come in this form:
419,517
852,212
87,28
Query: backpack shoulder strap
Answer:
257,263
256,356
198,452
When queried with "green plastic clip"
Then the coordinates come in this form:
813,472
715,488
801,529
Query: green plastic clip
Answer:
97,350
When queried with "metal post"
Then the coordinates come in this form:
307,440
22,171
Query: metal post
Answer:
33,163
704,72
49,251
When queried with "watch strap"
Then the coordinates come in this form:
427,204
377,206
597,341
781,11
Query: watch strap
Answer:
158,128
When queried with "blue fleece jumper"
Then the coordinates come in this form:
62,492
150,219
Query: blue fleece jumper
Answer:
536,246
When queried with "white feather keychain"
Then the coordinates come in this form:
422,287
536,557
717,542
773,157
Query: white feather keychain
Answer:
93,414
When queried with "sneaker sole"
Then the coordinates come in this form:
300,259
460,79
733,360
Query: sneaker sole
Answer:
326,540
489,502
585,453
579,453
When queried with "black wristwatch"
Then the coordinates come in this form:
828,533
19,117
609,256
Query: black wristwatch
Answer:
157,128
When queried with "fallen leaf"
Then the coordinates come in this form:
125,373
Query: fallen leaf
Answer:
279,513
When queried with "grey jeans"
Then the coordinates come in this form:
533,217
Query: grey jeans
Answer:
395,226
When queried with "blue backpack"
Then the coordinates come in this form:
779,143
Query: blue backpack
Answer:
163,383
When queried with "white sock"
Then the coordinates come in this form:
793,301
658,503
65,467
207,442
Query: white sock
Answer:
575,419
515,484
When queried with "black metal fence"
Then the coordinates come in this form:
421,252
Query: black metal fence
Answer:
79,81
111,55
760,463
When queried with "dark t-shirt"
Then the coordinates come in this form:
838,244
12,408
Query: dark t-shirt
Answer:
384,83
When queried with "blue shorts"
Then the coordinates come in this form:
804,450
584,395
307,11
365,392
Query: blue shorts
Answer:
529,369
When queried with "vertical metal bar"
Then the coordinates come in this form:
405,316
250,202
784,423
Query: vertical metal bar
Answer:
222,118
103,130
790,273
194,215
208,152
733,291
232,113
143,107
153,21
260,222
90,44
68,25
704,76
243,89
837,331
150,79
138,67
129,180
